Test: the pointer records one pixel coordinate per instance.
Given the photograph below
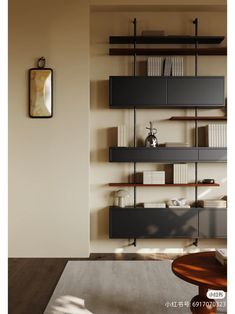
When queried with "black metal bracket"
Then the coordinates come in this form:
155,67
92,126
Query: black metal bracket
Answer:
195,243
133,243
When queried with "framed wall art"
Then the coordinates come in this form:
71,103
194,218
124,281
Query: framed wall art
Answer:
41,91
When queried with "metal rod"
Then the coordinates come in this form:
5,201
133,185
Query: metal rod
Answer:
195,22
134,74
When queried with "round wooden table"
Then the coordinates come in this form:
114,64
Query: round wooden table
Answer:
202,269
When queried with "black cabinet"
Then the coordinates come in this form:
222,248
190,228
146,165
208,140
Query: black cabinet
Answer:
167,154
212,222
166,92
129,91
200,91
140,222
207,154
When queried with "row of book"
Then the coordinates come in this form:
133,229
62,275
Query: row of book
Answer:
169,66
216,135
163,205
169,205
122,136
154,177
180,173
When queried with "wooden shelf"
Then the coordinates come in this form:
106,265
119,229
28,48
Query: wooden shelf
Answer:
178,39
168,51
190,118
163,185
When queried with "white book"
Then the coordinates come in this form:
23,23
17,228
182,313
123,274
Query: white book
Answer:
154,205
119,136
178,206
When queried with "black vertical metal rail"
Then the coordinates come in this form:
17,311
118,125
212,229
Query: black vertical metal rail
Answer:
195,22
134,74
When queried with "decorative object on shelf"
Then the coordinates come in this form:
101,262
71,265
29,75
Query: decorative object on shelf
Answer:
120,198
178,202
41,90
151,139
208,181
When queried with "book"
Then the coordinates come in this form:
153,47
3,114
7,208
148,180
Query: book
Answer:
179,206
154,205
154,177
216,135
167,66
122,136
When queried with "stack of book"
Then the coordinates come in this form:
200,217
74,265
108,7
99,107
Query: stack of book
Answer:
221,256
216,135
179,206
121,136
154,177
177,66
180,173
154,205
157,66
214,204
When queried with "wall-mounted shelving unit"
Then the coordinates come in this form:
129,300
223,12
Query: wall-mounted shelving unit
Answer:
192,92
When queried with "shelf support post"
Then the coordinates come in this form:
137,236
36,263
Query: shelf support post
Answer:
134,74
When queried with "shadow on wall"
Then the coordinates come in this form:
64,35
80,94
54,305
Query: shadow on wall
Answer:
105,137
100,224
99,95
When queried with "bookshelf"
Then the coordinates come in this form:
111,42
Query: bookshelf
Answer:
145,92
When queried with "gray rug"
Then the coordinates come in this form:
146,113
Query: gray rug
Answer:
123,287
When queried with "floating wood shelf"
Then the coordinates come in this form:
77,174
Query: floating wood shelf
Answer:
168,51
178,39
162,185
190,118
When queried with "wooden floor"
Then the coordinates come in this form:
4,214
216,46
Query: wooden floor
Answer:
33,280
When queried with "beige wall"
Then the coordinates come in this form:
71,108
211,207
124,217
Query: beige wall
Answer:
49,158
103,120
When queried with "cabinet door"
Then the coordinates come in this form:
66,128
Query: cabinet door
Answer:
153,222
140,91
213,223
159,154
214,154
195,91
